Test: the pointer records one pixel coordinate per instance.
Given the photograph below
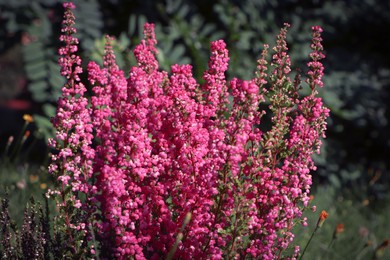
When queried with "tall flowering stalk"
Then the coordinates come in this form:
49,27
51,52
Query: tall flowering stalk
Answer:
166,167
73,164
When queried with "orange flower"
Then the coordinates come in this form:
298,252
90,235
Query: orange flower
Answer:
25,136
27,133
384,244
324,215
368,243
338,230
34,178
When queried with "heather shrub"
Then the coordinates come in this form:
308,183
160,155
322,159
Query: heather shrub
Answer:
159,165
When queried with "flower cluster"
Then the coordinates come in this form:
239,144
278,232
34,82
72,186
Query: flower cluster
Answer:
165,166
73,164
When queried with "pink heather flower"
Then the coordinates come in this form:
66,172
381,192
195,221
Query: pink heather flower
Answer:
72,166
146,51
281,60
69,5
215,86
262,67
166,148
105,105
192,174
316,68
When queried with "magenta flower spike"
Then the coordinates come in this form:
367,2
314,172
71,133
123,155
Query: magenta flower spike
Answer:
72,165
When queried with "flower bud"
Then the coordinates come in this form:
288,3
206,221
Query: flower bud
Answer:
324,215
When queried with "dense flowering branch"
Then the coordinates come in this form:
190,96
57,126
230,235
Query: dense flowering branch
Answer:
73,164
167,167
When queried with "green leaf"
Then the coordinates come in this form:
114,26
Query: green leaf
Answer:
35,30
34,67
53,67
123,41
177,53
38,86
335,180
141,21
12,25
94,33
36,71
49,110
56,81
132,25
172,6
207,29
33,52
40,96
94,22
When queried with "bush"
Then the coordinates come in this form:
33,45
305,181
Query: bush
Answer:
159,165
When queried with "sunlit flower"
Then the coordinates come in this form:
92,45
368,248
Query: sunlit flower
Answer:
28,118
323,216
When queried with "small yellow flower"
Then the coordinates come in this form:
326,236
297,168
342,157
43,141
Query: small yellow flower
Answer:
28,118
43,186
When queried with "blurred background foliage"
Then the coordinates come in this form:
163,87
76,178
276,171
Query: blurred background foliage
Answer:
353,230
356,154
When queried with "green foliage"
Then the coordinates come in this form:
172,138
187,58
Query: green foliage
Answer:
186,36
89,22
42,72
36,24
35,238
363,227
18,178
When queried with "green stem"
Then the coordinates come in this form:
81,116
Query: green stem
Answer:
329,246
308,242
18,143
179,237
